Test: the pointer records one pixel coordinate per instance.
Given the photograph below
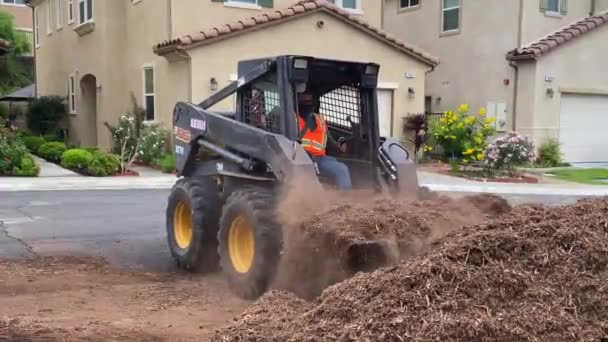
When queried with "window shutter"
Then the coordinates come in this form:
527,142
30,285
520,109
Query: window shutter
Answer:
266,3
564,9
544,5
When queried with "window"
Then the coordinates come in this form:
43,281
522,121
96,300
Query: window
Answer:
59,13
72,94
353,5
85,11
450,16
559,7
255,4
408,3
13,2
70,12
49,15
149,92
36,29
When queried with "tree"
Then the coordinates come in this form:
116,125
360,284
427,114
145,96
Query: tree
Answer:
14,73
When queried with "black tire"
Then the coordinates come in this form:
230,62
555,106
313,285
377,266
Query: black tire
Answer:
201,198
256,208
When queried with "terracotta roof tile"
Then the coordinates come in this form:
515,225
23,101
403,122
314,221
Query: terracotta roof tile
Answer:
303,7
556,39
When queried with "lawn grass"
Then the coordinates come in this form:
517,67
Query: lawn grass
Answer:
585,176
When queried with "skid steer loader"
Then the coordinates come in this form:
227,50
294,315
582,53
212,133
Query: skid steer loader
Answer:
231,165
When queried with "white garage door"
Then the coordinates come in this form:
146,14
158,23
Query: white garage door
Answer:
583,129
385,110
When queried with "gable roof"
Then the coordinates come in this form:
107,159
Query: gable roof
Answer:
559,38
302,8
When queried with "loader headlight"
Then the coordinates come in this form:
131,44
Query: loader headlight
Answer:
371,69
300,63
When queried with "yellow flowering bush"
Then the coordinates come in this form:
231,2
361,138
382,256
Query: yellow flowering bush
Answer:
462,135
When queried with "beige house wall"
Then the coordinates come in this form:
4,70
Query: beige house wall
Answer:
601,6
576,67
537,24
328,42
22,15
473,66
118,49
194,15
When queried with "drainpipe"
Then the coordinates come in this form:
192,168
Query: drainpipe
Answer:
593,7
34,50
515,66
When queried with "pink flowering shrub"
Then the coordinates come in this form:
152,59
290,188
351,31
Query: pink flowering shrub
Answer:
508,152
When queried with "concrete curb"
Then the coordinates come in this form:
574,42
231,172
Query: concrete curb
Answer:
85,183
522,190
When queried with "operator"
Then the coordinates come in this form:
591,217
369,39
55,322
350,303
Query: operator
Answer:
314,134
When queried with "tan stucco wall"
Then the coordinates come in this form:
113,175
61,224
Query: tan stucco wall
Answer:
22,15
473,66
601,6
219,60
195,15
577,66
64,52
537,25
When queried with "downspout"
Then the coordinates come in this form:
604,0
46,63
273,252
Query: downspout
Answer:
593,7
515,66
34,50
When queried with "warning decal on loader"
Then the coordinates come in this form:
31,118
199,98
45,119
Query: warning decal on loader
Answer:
182,134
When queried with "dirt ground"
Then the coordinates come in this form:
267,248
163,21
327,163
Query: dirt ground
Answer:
81,299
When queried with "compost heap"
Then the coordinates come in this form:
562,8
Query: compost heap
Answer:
536,274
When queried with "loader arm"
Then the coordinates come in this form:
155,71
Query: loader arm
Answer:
245,145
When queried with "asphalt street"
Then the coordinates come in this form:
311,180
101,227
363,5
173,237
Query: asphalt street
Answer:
125,226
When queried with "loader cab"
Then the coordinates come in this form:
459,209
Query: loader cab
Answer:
344,93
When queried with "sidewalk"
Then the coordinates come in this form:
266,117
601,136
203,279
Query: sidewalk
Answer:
157,180
48,169
445,183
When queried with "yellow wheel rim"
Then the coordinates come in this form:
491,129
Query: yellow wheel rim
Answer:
182,225
241,244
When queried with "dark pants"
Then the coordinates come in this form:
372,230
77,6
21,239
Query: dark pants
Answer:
337,171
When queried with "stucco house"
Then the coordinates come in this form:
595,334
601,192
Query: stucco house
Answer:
98,52
539,66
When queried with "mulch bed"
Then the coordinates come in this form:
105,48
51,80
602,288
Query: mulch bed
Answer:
498,179
536,274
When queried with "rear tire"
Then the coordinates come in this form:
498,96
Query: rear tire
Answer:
249,242
192,223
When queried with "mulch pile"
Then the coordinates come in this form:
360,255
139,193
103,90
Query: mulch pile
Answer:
536,274
322,250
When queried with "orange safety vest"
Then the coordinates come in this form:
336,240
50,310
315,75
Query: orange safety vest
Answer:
314,142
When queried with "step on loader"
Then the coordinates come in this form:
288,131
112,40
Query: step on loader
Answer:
231,166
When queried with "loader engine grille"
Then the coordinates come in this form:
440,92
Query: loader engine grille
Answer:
342,108
261,108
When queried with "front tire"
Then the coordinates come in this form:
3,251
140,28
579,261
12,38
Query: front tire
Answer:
249,242
192,224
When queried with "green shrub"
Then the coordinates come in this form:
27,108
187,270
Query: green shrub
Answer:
549,154
46,113
3,111
167,163
462,135
52,137
52,151
33,142
14,157
91,149
28,168
104,164
76,159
